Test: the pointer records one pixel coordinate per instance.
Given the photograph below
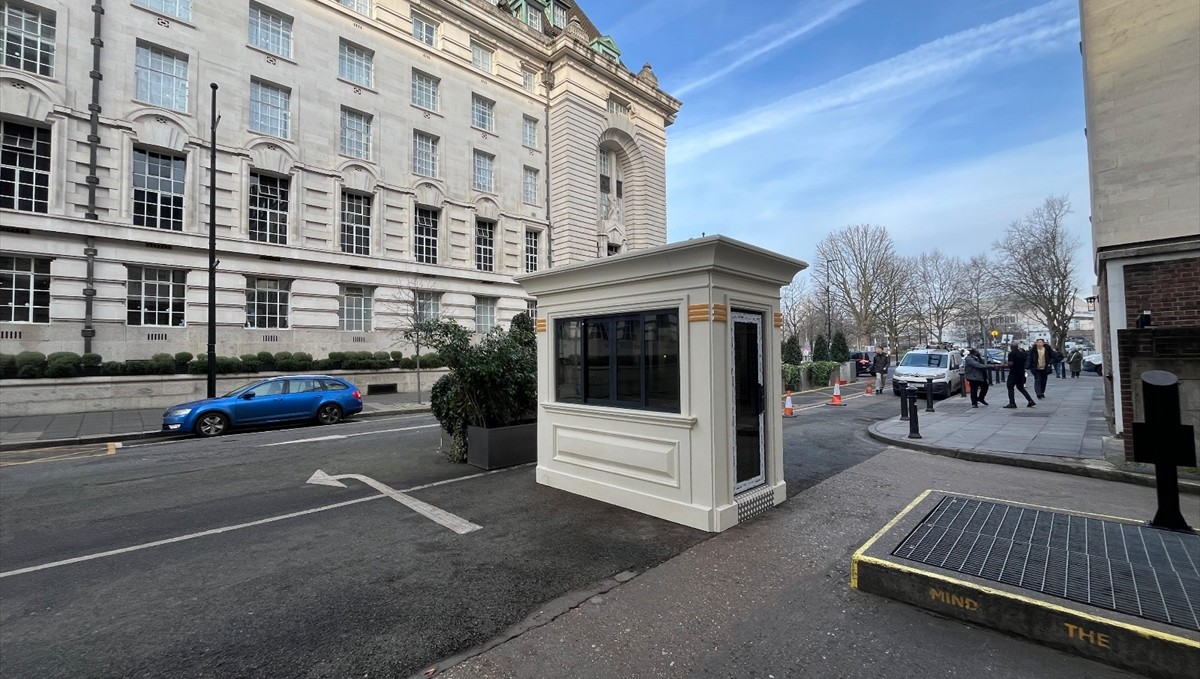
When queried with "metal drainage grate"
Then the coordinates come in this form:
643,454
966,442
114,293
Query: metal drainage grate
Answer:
1147,572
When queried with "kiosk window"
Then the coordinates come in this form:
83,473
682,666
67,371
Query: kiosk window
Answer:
625,361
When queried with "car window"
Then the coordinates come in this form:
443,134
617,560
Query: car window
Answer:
305,385
274,388
242,389
333,385
914,360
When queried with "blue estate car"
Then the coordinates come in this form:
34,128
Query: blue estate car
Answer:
275,399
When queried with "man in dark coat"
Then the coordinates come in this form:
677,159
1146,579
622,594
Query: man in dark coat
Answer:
1041,362
1017,362
879,367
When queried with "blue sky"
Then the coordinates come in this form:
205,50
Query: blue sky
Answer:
943,120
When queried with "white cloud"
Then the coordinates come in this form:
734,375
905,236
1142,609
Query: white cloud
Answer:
750,47
904,77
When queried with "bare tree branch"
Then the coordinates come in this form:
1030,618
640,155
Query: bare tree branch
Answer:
938,286
847,263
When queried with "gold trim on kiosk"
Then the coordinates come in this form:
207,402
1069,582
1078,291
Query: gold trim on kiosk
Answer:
697,313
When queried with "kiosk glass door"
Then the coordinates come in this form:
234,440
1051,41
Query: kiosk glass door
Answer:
749,400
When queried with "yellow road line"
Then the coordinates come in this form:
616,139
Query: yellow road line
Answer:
890,524
56,458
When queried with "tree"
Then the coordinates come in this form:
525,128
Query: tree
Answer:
896,307
1036,266
792,306
938,286
981,303
792,352
848,262
839,351
820,350
417,318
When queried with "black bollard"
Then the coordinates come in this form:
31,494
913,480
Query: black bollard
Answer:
903,405
914,427
1165,442
929,394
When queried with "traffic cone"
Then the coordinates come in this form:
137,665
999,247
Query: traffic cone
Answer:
871,387
787,405
837,394
966,387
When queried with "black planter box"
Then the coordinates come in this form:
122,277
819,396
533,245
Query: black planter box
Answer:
501,447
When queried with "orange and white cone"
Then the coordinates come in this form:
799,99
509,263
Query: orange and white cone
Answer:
871,386
787,405
837,394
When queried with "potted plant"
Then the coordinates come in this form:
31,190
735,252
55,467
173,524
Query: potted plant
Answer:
487,402
182,359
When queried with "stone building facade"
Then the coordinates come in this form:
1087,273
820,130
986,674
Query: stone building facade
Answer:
1141,64
377,161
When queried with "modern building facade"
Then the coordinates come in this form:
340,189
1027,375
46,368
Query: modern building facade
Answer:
377,161
1141,64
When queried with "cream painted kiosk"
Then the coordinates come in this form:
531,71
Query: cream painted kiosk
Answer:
659,378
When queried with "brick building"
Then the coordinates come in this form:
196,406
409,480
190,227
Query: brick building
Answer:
1142,96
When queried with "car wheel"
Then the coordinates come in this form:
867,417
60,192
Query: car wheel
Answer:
330,413
211,424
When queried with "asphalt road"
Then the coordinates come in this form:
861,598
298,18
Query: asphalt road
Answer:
198,558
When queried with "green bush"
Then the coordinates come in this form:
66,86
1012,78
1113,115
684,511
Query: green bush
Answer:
287,365
324,364
64,356
792,376
29,372
792,353
820,349
8,366
184,357
140,368
62,368
302,356
406,363
250,363
338,356
33,358
839,351
250,357
113,368
91,360
282,356
267,359
382,356
819,372
397,356
162,358
228,364
198,366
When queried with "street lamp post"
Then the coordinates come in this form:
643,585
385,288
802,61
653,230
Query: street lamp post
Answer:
212,251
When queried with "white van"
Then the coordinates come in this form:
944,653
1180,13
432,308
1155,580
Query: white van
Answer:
918,365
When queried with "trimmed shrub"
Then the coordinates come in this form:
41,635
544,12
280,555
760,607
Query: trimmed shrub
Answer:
29,372
282,356
250,363
792,376
113,368
198,366
91,360
62,368
140,368
250,357
8,366
820,349
287,365
819,372
397,356
228,364
382,356
792,353
337,356
324,364
266,358
67,356
407,363
184,357
838,350
33,358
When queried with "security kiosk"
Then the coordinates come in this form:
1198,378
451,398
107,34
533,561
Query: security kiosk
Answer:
659,380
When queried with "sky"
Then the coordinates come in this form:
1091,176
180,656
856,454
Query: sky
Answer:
943,120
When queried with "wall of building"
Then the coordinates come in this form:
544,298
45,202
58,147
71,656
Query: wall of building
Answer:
1142,86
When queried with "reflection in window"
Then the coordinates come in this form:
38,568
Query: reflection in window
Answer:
627,361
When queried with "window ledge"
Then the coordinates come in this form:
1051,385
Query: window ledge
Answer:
487,133
269,53
531,148
360,159
360,86
620,414
427,111
163,15
153,105
267,134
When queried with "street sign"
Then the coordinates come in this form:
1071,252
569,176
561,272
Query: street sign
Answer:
995,334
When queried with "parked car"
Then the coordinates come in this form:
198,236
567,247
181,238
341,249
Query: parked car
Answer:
277,399
918,365
862,362
1094,363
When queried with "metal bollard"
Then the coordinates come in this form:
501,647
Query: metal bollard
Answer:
903,405
929,394
1165,442
914,428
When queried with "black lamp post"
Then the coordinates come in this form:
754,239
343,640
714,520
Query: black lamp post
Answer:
212,251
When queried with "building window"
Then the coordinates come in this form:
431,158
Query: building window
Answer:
427,305
625,361
361,6
559,17
270,109
424,29
485,245
271,31
613,249
485,314
180,9
162,78
28,38
529,130
425,236
356,64
268,208
24,167
618,108
483,171
356,223
24,289
533,16
155,296
481,57
425,154
354,310
158,186
483,113
529,186
532,247
531,308
528,80
425,91
356,134
267,302
612,190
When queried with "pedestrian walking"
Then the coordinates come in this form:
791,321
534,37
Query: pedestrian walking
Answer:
879,368
1017,362
976,374
1076,362
1060,367
1041,362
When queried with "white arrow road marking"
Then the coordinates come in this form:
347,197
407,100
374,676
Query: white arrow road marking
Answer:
455,523
346,436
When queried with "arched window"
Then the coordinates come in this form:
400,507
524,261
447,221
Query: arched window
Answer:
612,187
